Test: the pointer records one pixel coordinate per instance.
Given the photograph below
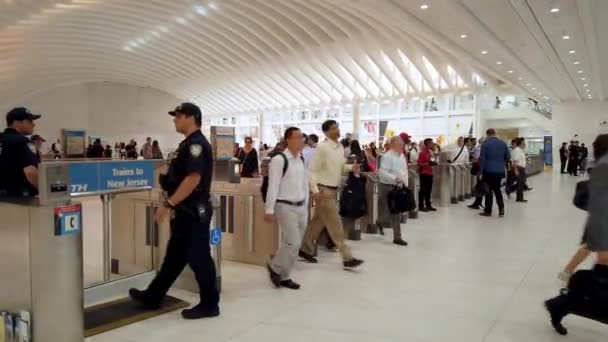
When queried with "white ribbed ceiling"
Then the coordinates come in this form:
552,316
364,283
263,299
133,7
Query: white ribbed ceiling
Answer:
233,56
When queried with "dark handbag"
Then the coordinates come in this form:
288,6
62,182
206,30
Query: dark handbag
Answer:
401,200
353,201
581,195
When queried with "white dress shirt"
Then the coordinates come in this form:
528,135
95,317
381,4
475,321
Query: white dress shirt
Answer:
327,166
307,154
393,166
462,158
292,187
519,157
414,156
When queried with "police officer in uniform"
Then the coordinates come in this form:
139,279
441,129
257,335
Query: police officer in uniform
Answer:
187,184
18,158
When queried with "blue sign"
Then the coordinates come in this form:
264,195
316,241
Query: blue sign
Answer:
548,150
215,236
84,177
120,175
68,220
111,175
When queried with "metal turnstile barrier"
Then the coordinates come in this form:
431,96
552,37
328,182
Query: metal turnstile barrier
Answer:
414,185
369,222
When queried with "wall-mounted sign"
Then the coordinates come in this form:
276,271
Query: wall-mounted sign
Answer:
548,150
215,236
68,220
74,143
111,175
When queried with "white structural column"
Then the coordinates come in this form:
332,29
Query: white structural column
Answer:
356,117
478,121
260,126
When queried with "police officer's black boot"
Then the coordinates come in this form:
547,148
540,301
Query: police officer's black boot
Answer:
557,308
200,311
144,299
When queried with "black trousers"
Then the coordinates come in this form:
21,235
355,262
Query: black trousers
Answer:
573,167
564,163
426,189
521,182
493,182
188,245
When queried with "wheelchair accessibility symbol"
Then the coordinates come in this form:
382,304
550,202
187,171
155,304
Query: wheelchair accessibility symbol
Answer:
215,236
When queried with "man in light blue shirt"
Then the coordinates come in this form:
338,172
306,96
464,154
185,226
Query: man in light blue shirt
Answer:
310,148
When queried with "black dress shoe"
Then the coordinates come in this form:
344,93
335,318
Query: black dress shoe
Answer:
474,207
501,213
400,242
352,263
290,284
199,312
143,299
275,278
554,306
485,213
307,257
522,200
431,209
424,210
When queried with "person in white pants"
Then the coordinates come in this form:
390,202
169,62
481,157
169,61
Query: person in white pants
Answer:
287,205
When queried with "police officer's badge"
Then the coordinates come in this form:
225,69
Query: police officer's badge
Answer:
196,150
32,148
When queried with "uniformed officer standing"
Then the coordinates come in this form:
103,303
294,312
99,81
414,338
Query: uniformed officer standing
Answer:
187,183
18,159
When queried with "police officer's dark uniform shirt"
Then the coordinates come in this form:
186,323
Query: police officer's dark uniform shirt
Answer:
16,153
194,155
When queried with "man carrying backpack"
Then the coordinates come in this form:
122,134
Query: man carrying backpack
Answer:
287,204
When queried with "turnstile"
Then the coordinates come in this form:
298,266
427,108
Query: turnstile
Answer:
41,251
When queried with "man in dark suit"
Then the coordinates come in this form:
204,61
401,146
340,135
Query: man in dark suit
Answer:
563,157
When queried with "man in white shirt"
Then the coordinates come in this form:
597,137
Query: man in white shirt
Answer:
393,172
459,153
310,148
518,158
287,204
326,169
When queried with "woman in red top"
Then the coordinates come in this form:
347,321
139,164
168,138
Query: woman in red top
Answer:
426,160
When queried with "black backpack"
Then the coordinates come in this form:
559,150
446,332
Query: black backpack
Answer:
264,188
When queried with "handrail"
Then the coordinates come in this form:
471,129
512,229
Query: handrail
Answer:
110,192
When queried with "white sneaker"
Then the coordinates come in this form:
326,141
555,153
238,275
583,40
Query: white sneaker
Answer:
564,276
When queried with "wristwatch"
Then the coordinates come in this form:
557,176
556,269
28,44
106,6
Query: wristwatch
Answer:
168,204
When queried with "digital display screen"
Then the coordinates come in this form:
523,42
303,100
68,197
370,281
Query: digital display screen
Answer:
59,188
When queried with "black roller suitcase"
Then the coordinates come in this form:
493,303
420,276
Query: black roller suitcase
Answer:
586,296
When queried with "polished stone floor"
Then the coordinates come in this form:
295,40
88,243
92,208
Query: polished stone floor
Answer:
463,278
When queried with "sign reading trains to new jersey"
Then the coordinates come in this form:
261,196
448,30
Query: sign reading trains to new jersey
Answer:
68,220
103,176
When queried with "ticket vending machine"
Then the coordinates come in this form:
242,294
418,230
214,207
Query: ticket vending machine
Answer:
41,250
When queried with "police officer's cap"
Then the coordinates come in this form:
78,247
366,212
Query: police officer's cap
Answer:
189,109
20,114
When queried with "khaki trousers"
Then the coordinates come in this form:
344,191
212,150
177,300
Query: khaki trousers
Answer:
326,215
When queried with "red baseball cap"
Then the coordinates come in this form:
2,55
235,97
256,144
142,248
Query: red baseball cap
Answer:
405,136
